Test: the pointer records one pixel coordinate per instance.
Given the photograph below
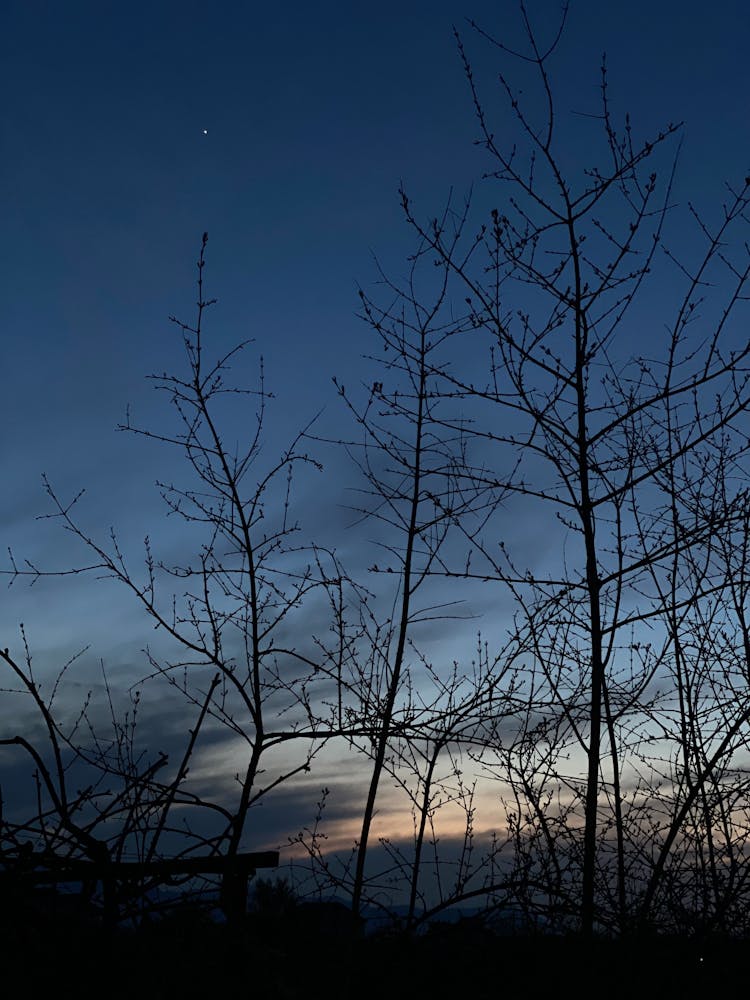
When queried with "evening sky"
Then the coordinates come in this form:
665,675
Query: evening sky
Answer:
284,131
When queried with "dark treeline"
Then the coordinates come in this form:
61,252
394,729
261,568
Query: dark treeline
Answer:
555,434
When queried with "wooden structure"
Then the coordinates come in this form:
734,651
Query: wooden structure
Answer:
36,869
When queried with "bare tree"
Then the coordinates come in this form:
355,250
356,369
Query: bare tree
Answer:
229,612
416,487
577,426
95,792
696,881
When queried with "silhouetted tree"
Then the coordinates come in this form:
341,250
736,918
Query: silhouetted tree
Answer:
228,611
585,430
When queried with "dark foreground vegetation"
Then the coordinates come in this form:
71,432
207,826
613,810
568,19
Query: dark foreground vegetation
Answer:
189,955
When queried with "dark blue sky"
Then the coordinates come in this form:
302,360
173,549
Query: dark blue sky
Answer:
314,113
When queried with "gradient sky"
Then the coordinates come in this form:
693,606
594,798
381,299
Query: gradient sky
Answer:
284,131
